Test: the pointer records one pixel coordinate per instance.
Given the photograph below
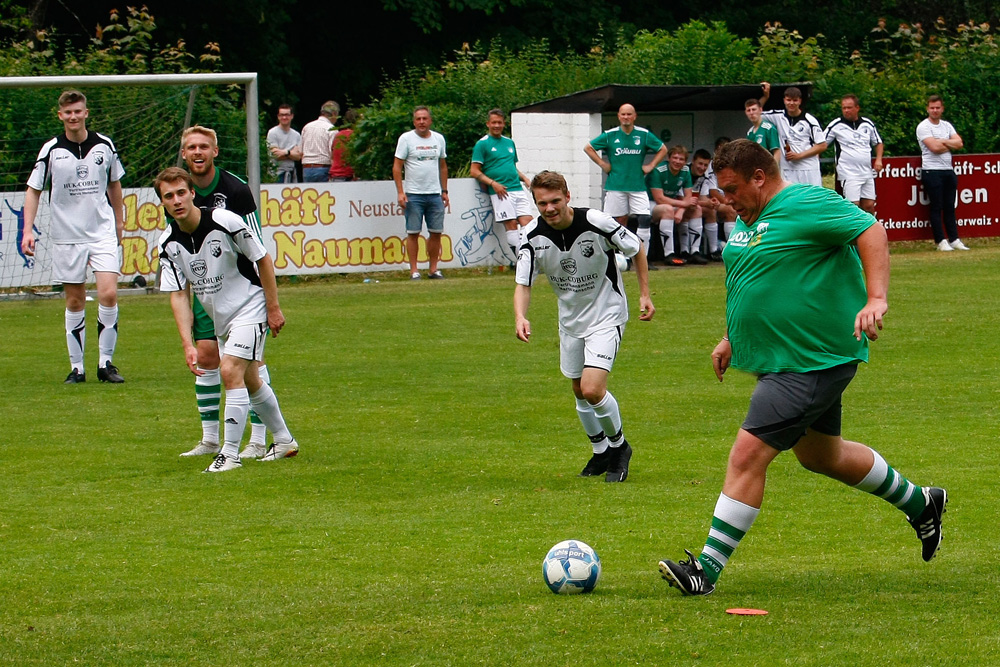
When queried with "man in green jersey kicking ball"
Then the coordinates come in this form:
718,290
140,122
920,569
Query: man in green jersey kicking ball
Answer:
807,274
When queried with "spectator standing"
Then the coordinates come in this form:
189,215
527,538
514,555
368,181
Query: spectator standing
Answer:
340,169
494,164
284,141
801,137
421,153
762,132
938,138
626,147
317,144
853,137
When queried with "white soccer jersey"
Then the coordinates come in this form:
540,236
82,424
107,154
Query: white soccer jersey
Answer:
78,200
581,267
800,134
853,141
930,161
218,262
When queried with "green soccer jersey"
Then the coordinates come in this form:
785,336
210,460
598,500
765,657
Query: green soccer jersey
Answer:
673,185
498,158
626,153
794,284
766,135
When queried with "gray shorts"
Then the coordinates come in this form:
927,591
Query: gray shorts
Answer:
784,405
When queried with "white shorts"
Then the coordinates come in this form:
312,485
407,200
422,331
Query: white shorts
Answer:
807,176
518,203
617,204
70,260
597,350
245,341
857,188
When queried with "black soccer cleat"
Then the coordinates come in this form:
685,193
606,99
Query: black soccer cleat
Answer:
928,524
109,374
687,575
618,467
598,464
697,258
75,377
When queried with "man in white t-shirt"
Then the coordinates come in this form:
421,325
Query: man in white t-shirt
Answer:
853,138
575,248
87,218
938,138
211,252
423,194
283,141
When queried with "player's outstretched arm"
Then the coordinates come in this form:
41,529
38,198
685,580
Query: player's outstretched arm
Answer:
721,356
31,199
522,299
646,308
180,304
873,249
275,318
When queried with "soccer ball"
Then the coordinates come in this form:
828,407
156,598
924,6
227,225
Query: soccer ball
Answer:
622,262
571,567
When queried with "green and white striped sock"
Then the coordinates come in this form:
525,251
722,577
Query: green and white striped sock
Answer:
886,483
731,521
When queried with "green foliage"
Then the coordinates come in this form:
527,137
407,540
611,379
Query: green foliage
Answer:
892,74
144,121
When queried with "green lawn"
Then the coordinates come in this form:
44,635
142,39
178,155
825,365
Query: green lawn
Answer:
438,464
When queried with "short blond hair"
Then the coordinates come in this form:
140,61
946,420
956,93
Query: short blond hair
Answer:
200,129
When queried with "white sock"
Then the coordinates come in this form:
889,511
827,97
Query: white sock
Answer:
712,234
107,333
667,236
682,237
237,407
514,239
610,418
644,234
258,431
265,404
592,426
208,392
695,226
76,336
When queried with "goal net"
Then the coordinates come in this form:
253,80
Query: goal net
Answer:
144,115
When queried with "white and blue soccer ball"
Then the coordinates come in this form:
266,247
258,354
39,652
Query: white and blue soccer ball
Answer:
622,261
571,567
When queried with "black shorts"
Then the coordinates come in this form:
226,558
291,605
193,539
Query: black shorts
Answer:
784,405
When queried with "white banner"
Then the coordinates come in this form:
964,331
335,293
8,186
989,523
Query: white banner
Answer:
309,228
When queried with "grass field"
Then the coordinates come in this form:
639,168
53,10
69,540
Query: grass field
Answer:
438,465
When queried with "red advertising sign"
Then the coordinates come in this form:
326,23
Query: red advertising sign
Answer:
902,202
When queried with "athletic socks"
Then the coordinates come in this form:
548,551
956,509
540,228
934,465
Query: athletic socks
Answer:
694,235
265,403
514,239
644,234
107,333
731,521
886,483
258,432
712,234
76,335
667,236
682,237
610,419
591,425
237,407
208,391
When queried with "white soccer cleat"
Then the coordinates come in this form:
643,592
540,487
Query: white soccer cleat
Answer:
958,245
944,246
222,463
203,448
281,451
253,450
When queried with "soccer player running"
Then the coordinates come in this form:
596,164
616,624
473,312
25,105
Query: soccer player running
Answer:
215,187
211,252
494,164
87,214
626,147
575,248
853,136
807,276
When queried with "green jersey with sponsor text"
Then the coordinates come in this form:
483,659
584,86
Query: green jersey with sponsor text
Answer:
498,158
794,284
626,153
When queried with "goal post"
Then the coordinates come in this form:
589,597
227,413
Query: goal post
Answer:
133,124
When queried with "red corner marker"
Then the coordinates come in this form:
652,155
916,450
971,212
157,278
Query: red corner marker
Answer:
746,612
